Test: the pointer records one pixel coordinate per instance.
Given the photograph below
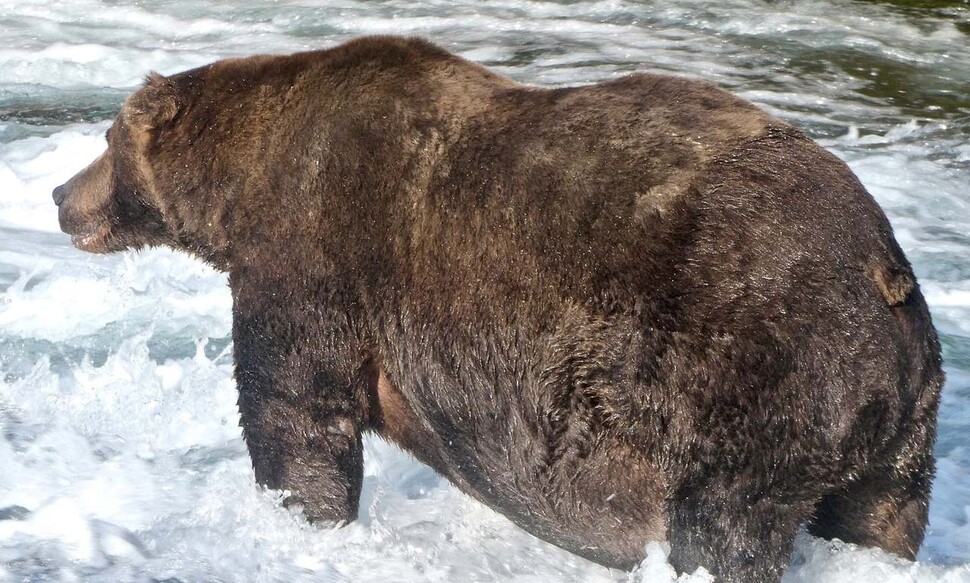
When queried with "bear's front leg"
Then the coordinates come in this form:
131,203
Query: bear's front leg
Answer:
299,375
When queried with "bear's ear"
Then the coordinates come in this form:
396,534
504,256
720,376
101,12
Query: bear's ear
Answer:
155,104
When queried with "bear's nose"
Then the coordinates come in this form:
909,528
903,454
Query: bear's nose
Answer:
60,193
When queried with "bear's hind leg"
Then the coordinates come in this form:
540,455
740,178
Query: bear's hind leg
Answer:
735,540
887,506
882,510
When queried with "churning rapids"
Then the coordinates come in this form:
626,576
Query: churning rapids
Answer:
120,454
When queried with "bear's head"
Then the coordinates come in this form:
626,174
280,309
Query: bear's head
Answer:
112,204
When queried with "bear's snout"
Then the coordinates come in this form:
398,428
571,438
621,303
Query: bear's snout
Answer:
68,216
83,206
60,193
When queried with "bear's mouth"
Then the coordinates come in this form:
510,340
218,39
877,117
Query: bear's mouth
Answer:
93,241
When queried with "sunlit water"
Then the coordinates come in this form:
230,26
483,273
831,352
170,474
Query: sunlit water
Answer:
120,454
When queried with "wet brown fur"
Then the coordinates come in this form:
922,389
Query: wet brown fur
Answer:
631,311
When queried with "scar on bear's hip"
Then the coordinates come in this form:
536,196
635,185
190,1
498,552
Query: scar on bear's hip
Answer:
895,286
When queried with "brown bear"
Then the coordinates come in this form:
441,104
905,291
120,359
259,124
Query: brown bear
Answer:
631,311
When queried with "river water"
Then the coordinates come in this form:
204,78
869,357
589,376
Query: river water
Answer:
120,454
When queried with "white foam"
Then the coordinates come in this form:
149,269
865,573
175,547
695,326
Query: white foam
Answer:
31,168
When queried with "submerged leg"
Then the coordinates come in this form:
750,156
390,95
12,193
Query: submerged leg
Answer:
737,541
883,510
887,506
